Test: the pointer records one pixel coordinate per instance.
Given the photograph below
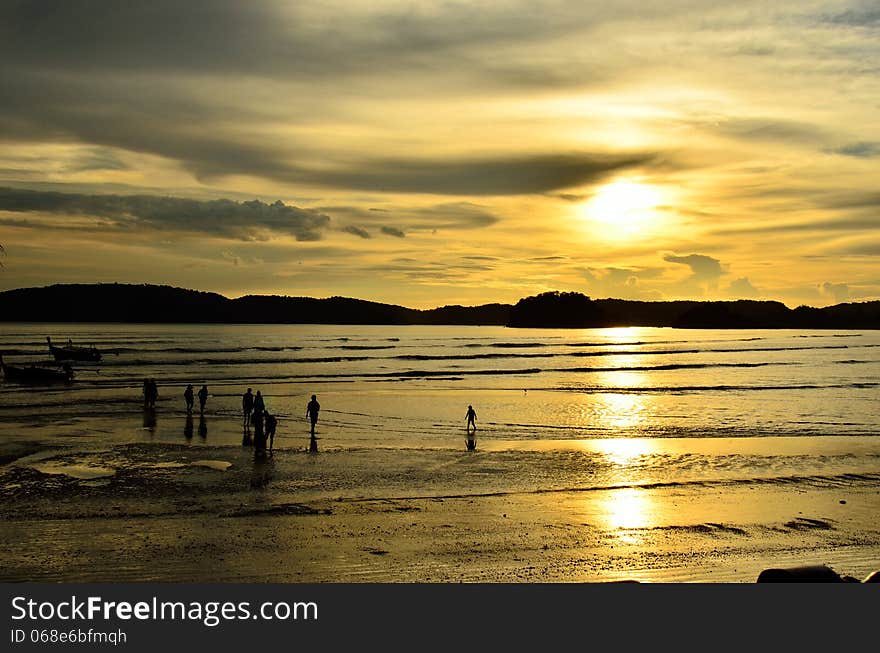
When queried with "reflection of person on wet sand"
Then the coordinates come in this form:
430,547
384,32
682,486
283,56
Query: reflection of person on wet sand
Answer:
262,471
188,427
149,418
203,427
259,433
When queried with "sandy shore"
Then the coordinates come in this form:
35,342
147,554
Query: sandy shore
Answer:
172,512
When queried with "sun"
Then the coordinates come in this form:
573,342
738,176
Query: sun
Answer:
624,207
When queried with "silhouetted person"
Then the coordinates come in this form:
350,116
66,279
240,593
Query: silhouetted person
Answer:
203,427
151,393
247,406
188,427
259,404
203,398
312,410
271,425
471,419
188,397
154,393
259,433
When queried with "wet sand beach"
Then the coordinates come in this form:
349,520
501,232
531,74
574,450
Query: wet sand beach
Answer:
202,513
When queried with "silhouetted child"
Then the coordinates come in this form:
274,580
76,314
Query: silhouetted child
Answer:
471,419
271,425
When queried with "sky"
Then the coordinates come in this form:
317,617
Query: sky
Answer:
428,153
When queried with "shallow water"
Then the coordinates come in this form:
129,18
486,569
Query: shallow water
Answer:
547,395
406,385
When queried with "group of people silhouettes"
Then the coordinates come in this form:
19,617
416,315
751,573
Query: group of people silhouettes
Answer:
188,398
254,414
264,424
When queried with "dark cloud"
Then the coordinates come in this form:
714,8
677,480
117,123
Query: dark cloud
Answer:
521,175
867,16
157,78
770,129
97,159
450,215
571,197
249,220
357,231
135,115
703,268
272,38
453,215
392,231
860,150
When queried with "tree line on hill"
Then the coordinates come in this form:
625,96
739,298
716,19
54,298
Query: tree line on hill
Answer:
157,304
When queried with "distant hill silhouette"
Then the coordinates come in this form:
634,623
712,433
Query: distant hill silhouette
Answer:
555,309
150,303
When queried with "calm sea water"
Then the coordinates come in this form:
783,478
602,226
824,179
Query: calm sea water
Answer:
584,409
409,386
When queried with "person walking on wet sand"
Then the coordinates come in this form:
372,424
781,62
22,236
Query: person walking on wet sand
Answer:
188,397
203,399
271,425
312,412
151,393
247,406
471,419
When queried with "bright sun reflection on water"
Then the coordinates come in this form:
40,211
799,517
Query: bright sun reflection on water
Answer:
626,508
622,410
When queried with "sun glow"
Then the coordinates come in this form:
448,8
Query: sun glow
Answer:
624,207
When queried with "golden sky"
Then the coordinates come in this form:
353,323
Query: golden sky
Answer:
430,153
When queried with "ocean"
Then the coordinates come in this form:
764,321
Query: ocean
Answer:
411,385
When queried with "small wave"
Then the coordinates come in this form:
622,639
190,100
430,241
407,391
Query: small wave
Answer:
710,388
